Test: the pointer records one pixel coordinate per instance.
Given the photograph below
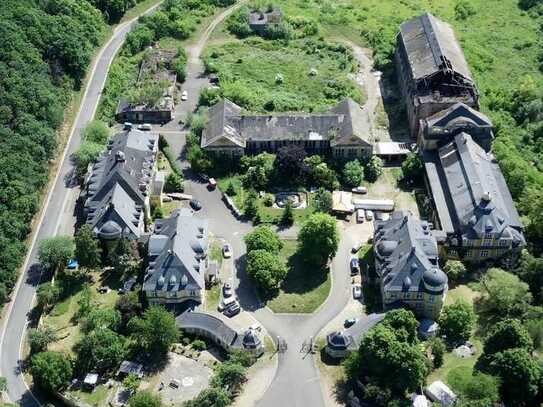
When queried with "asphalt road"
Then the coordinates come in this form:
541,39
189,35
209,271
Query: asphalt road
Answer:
54,217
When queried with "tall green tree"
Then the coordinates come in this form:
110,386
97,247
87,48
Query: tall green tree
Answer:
51,370
101,351
266,269
47,295
353,173
229,375
156,331
40,338
54,252
457,321
323,201
319,238
374,168
87,248
287,217
263,238
211,397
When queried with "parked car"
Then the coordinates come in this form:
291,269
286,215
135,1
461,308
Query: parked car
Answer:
184,95
227,290
369,215
357,291
127,126
355,266
227,251
145,127
360,215
73,264
232,310
350,322
360,190
212,184
381,216
195,204
357,246
226,302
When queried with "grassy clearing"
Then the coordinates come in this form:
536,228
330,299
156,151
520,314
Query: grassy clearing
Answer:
62,317
461,292
264,76
304,289
98,397
213,296
454,363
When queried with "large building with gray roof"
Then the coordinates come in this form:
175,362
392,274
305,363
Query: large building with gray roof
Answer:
407,265
340,131
473,206
118,187
432,71
177,253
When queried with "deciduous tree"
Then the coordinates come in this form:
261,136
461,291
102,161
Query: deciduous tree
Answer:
87,248
319,238
263,238
456,322
51,370
266,269
156,331
101,351
353,173
54,252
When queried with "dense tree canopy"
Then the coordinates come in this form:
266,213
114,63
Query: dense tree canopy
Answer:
54,252
319,238
145,399
263,238
353,173
457,321
266,269
156,331
51,370
101,351
87,247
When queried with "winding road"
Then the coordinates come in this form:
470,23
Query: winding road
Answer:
296,382
56,215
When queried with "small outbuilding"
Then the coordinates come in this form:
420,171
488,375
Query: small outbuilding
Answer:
440,393
90,381
127,367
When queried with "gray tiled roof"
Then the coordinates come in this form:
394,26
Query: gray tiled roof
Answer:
428,41
469,190
213,325
406,255
118,183
227,125
177,251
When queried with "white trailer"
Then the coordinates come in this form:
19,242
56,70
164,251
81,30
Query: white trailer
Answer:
384,205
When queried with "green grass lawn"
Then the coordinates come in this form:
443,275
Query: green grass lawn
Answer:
62,317
249,72
213,296
97,398
305,287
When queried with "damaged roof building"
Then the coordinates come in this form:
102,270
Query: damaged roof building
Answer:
340,131
119,185
152,100
432,71
472,203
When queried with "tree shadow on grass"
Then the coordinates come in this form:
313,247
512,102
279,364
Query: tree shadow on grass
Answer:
341,387
303,277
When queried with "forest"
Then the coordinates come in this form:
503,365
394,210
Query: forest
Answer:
45,51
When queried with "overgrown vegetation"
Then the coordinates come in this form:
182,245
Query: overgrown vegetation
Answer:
276,76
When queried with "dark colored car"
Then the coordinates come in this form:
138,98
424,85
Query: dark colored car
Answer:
232,310
195,204
355,266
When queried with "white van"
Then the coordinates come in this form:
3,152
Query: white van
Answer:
369,215
360,215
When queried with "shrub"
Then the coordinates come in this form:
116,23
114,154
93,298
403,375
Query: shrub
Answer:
51,370
199,345
174,183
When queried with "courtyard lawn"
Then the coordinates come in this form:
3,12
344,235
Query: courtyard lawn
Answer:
452,362
97,398
305,287
213,296
271,76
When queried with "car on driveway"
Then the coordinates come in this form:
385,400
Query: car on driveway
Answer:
227,251
357,291
350,322
226,302
184,95
227,290
145,127
195,204
212,184
360,216
357,246
369,215
355,266
232,310
360,190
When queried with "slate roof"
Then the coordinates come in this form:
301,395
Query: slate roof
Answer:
228,126
469,190
430,44
350,338
119,182
257,18
406,255
211,324
177,252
